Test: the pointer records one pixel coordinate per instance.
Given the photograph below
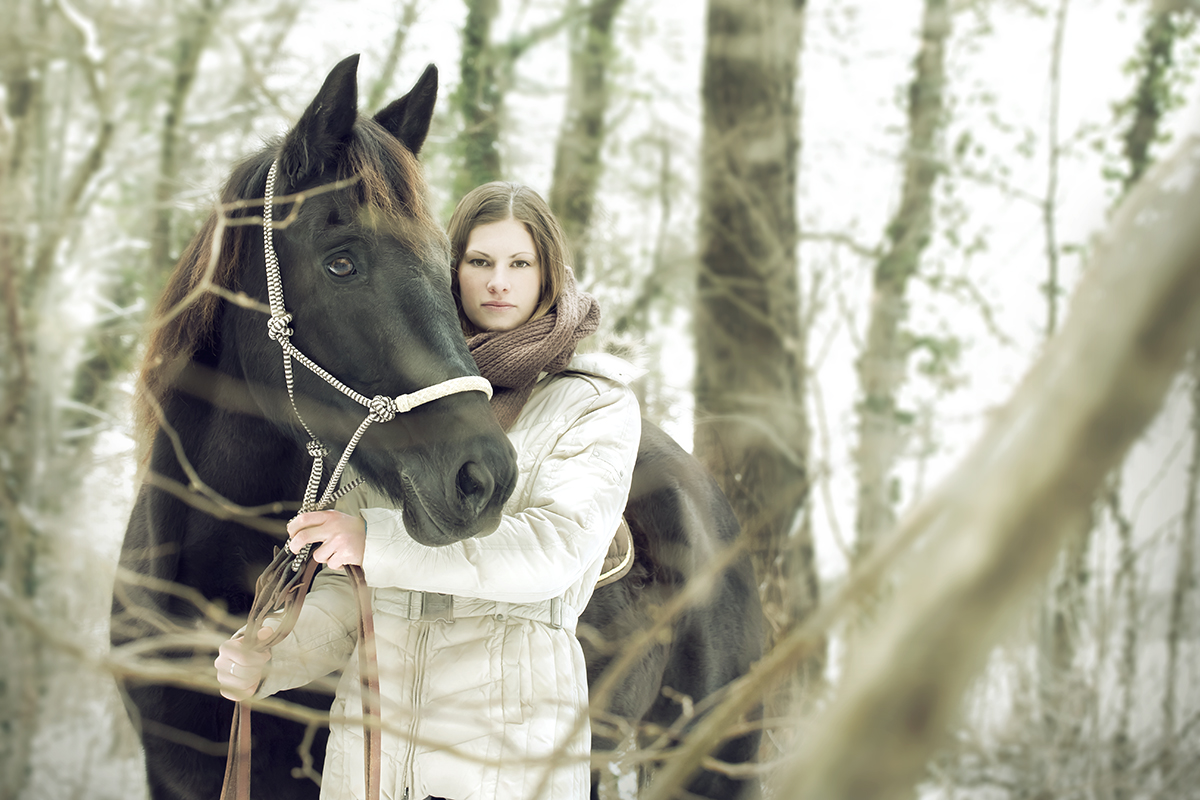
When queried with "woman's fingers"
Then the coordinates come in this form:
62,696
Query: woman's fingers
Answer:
240,667
315,526
342,537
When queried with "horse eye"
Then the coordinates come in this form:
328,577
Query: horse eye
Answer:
340,267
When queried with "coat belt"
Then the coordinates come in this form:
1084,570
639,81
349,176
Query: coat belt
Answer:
431,606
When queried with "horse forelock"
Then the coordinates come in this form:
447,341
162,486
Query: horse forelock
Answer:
391,184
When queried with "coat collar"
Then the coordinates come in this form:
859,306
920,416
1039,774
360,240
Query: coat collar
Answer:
604,365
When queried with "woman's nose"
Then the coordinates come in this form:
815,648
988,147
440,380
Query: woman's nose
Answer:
498,283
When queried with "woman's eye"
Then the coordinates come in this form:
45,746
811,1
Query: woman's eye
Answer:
520,264
340,267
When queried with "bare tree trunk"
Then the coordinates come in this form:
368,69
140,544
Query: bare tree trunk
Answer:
1125,586
1050,201
1184,585
882,366
477,100
196,28
990,534
29,231
486,68
659,287
23,74
1060,695
751,429
409,13
1059,614
577,163
654,286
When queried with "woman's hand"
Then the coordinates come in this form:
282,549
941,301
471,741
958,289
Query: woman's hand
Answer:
344,537
240,667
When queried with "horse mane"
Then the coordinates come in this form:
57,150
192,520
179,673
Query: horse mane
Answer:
390,183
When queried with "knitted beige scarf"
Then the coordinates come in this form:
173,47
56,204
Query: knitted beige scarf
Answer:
512,360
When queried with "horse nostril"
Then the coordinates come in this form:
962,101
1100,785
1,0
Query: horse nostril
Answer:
475,486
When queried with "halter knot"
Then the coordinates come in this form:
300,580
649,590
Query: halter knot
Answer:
317,449
383,408
277,326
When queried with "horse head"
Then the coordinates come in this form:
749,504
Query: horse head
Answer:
365,274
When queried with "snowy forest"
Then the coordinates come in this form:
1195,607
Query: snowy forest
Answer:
913,279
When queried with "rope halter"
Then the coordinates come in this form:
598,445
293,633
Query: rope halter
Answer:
380,408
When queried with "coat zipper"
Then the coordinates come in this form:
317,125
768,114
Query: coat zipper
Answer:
410,757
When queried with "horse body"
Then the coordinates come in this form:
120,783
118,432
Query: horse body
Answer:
684,531
366,278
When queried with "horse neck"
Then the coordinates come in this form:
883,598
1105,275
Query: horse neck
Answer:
242,456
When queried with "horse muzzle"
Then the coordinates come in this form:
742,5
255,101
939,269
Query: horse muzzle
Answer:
469,505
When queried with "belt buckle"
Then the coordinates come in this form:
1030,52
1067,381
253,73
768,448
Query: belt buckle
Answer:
436,606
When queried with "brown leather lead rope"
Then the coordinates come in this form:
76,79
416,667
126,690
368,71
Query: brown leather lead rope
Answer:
281,590
368,675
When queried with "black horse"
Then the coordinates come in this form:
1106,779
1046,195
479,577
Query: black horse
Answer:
365,275
684,531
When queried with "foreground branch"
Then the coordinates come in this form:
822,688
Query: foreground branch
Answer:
1002,516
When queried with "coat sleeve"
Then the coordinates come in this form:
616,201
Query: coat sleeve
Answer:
323,639
577,493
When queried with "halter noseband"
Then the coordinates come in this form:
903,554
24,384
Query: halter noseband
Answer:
380,408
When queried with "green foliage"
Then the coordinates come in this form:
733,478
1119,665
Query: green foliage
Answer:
937,358
1162,68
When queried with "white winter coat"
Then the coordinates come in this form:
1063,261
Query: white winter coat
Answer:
492,705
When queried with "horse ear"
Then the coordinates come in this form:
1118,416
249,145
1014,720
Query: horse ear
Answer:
408,118
314,144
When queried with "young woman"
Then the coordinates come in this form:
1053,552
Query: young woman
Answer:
490,702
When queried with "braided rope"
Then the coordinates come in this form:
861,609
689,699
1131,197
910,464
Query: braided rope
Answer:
380,408
274,281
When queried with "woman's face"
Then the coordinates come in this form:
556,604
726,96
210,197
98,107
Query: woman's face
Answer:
499,277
